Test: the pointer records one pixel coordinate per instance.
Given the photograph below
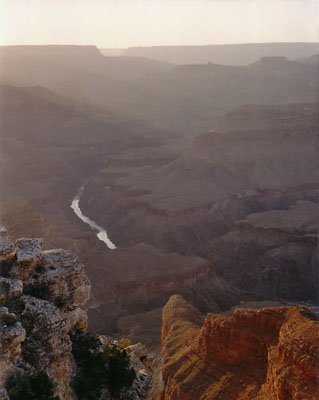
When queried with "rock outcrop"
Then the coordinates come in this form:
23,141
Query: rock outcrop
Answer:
265,354
147,366
41,295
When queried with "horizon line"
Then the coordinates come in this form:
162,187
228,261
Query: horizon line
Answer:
157,45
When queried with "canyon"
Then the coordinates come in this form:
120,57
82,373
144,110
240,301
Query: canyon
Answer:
258,158
193,181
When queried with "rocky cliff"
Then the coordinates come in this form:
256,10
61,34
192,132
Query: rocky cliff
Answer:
41,296
43,343
265,354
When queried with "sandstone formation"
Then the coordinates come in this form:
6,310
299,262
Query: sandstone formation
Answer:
265,354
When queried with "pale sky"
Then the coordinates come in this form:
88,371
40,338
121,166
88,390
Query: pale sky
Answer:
124,23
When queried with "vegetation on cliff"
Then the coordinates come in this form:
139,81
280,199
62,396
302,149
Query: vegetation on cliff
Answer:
31,386
99,368
46,352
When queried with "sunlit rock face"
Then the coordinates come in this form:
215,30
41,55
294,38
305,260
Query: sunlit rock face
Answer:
265,354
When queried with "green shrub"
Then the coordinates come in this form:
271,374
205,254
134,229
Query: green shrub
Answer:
40,290
98,369
34,343
119,374
39,269
27,320
5,267
30,351
14,304
60,301
28,386
29,347
9,320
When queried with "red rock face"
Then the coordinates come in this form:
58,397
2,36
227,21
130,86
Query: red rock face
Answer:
265,354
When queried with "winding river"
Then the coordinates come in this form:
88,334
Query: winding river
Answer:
101,232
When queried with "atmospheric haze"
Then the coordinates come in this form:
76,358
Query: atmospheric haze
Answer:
123,23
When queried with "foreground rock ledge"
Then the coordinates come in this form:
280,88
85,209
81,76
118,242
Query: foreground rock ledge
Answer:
58,278
266,354
41,293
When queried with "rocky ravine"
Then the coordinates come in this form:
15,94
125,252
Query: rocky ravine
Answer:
41,294
265,354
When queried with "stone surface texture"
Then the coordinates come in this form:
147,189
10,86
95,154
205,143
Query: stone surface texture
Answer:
265,354
44,291
41,296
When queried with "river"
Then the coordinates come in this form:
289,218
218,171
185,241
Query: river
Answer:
101,232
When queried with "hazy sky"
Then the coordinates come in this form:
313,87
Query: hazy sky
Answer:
123,23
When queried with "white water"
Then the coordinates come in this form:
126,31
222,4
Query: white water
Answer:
102,235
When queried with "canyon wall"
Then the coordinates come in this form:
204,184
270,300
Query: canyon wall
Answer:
265,354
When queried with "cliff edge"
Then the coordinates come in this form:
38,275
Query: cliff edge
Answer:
265,354
46,352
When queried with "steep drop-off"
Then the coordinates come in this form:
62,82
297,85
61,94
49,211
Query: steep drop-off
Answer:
265,354
45,350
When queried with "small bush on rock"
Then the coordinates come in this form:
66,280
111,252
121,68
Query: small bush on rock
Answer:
9,320
14,304
5,267
28,386
40,290
98,368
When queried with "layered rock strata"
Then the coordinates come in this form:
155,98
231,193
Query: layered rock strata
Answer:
265,354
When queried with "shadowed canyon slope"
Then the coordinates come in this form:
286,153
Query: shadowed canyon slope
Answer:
258,158
265,354
27,146
183,100
274,253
